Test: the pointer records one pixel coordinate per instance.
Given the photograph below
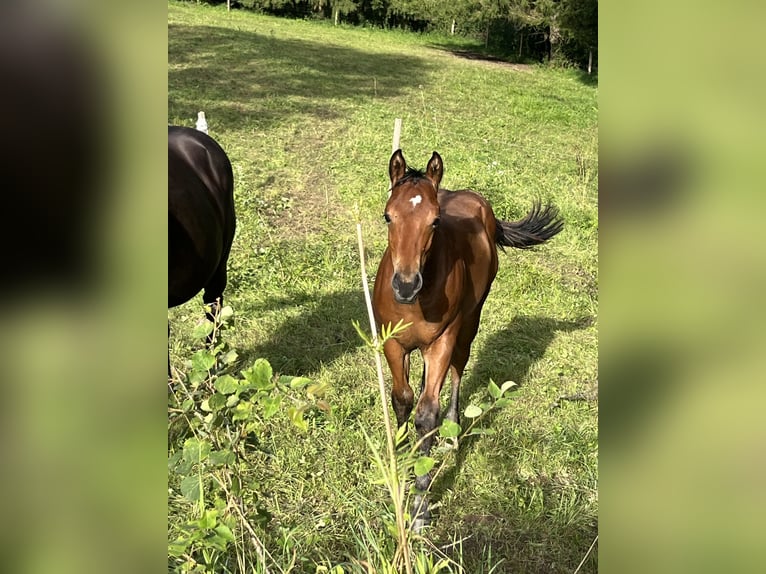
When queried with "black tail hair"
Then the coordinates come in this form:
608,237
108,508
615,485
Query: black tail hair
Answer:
537,227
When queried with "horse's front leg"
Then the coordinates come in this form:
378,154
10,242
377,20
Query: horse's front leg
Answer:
402,397
436,360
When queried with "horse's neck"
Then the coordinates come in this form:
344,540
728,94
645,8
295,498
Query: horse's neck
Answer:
441,257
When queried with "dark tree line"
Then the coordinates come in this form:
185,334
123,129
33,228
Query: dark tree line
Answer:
520,29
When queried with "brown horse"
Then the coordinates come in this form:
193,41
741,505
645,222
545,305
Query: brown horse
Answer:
436,274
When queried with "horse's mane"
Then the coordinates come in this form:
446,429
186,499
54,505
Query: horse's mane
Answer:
412,174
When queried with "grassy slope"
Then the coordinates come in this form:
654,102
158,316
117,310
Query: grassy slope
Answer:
306,112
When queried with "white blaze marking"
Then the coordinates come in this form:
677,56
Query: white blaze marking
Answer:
415,200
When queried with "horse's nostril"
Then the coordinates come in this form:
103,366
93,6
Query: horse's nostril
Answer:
406,290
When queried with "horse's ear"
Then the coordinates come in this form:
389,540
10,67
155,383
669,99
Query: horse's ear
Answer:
396,167
435,169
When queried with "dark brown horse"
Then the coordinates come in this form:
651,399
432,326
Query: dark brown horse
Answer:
201,219
436,274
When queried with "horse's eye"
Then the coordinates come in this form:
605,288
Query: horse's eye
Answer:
387,218
436,222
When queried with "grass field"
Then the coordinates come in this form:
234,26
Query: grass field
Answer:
305,111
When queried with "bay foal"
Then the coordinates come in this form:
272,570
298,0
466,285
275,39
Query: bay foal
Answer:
436,274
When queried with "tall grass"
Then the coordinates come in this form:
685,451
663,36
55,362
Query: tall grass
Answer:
306,111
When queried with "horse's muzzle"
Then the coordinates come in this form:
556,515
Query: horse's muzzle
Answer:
406,290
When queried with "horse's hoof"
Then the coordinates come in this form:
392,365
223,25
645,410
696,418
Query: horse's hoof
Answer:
419,524
421,514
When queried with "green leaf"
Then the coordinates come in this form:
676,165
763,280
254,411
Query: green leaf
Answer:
295,414
208,520
174,459
393,532
196,450
242,411
178,547
316,390
271,406
299,382
216,542
202,330
506,385
472,411
232,401
251,427
259,375
216,402
226,384
226,313
494,390
504,402
423,464
224,532
203,360
198,376
449,429
362,335
222,457
229,357
190,488
184,467
236,485
187,405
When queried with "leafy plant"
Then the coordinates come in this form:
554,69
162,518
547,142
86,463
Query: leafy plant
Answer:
222,412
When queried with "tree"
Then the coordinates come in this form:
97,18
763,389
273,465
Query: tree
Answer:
344,7
580,20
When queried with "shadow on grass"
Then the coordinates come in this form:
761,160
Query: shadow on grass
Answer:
509,354
537,548
321,333
588,79
241,77
478,54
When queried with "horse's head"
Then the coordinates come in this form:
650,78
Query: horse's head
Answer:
412,215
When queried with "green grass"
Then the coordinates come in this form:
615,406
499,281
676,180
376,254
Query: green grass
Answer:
306,112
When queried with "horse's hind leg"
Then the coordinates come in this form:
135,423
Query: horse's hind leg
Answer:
456,372
458,362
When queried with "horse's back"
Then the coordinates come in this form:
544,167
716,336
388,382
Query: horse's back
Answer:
194,154
201,218
469,213
470,220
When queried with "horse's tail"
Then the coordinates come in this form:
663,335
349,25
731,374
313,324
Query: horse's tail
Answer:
539,225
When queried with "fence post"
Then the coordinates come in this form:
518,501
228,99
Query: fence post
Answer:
201,122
